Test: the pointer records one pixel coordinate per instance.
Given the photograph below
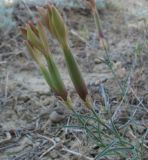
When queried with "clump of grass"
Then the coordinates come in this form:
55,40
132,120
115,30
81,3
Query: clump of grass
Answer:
37,44
104,133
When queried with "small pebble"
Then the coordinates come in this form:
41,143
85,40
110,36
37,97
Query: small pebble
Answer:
56,117
57,139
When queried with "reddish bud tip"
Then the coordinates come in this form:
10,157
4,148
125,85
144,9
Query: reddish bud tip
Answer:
33,28
23,32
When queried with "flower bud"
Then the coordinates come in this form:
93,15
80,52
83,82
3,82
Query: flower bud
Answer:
54,23
58,26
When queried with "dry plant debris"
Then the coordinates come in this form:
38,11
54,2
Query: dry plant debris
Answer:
27,130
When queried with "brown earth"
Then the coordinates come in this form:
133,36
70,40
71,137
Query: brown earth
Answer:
31,119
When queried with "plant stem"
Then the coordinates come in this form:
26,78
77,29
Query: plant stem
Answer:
87,129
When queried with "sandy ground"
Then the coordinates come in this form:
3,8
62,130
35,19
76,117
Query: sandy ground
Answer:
27,105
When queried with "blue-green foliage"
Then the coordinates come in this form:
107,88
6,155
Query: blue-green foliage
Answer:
68,3
77,3
100,4
6,21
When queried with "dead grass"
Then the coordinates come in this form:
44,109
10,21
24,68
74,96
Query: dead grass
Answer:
26,129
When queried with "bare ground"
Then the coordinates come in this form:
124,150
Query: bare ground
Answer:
31,118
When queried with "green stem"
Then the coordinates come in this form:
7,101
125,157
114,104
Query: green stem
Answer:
101,35
87,129
114,131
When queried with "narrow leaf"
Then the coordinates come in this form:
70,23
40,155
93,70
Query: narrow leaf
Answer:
42,37
56,78
35,55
